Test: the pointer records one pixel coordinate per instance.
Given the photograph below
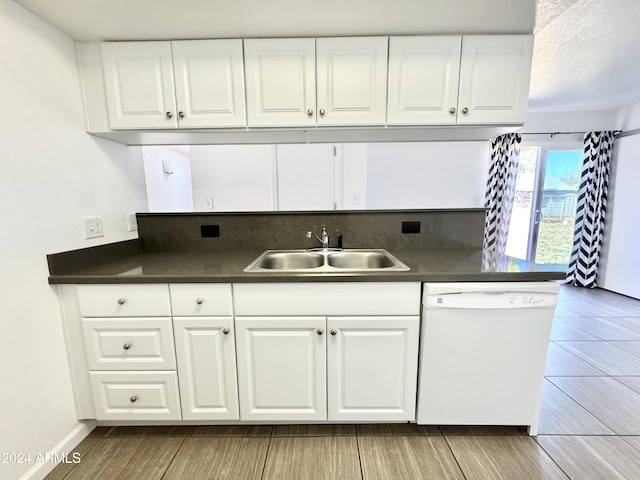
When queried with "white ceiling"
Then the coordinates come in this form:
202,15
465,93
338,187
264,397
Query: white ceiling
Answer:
586,54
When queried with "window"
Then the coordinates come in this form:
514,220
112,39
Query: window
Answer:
544,210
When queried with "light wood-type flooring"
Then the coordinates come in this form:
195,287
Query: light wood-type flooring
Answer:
589,426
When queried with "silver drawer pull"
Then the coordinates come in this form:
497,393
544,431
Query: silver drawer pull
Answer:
334,332
199,301
225,331
126,346
121,301
319,331
133,399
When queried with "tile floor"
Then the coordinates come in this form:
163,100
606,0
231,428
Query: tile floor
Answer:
589,426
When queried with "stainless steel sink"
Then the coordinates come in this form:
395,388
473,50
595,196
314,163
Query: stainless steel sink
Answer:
360,260
321,261
290,261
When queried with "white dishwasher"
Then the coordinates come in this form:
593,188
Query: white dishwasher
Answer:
483,352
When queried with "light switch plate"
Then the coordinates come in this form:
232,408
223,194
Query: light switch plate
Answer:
92,227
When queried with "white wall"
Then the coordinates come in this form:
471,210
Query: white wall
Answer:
51,174
168,192
237,177
426,175
619,269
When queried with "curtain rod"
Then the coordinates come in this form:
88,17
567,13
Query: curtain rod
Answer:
616,133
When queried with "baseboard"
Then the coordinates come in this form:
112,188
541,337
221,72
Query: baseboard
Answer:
66,445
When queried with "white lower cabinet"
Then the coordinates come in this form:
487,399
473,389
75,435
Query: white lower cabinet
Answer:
206,357
133,396
332,352
312,352
281,368
327,368
372,368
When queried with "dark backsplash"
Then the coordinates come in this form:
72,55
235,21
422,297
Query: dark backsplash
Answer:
461,228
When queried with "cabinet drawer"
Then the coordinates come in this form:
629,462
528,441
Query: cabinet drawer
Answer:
190,300
129,343
135,395
124,300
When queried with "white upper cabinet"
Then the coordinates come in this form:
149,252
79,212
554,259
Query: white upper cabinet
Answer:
352,80
280,82
423,80
209,83
494,79
139,87
437,80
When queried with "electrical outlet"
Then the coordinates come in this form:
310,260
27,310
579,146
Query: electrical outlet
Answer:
132,222
92,227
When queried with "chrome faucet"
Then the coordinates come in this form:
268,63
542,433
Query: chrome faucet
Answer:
323,238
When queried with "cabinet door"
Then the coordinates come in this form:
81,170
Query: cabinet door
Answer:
352,80
372,365
280,82
423,80
494,79
206,368
209,83
281,368
138,79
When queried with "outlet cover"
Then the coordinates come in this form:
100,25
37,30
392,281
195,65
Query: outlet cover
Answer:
92,227
132,222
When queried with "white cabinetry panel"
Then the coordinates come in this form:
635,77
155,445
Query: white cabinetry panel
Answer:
281,368
129,343
212,299
352,80
124,300
372,368
494,78
135,395
139,86
209,83
340,298
280,82
423,80
207,368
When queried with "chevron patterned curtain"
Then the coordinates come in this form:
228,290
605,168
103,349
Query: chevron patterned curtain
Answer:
591,209
501,184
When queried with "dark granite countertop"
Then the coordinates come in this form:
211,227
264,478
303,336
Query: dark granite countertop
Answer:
437,265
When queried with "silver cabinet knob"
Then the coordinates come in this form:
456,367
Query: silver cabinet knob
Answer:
452,110
226,331
181,114
321,111
133,399
465,110
121,301
199,301
319,331
126,346
309,112
334,332
169,114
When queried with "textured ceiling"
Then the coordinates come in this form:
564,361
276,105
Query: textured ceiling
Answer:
586,53
586,56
